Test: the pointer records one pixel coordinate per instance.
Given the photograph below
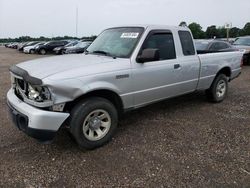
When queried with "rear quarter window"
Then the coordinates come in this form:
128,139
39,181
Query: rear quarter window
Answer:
186,43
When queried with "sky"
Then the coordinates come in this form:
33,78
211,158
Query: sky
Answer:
52,18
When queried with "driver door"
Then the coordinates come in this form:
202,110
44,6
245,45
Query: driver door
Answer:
163,78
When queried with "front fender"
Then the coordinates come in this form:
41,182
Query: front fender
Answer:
68,90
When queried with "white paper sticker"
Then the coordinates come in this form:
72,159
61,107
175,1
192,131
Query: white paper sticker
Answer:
130,35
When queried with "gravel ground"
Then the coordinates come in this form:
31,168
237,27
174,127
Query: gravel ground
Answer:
182,142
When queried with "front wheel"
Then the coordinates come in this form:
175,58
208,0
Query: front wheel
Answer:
93,122
218,90
32,51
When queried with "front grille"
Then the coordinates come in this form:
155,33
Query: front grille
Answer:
20,87
21,83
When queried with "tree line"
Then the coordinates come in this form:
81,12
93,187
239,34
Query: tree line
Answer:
42,38
214,31
198,33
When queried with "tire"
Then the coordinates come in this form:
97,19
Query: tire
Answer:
218,90
100,118
42,51
32,51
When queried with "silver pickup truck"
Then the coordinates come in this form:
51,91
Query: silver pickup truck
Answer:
125,68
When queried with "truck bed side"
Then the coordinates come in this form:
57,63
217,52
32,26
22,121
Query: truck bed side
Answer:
212,63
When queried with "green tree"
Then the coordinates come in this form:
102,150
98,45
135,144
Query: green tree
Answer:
196,30
234,32
246,29
211,32
222,32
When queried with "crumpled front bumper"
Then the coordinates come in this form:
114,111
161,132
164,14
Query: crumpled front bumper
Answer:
37,123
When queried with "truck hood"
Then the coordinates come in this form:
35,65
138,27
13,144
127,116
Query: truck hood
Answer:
46,67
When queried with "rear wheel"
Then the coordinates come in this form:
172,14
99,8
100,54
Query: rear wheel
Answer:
42,51
93,122
218,90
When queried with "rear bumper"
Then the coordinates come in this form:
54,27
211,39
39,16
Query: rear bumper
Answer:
27,51
37,123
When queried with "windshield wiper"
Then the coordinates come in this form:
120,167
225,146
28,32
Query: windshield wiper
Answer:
104,53
101,52
86,52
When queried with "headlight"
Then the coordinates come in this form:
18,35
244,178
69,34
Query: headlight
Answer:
33,94
38,93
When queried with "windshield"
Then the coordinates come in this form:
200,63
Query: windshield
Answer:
242,41
83,44
71,44
201,45
116,42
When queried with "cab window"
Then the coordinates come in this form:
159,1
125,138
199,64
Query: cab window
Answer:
186,43
164,42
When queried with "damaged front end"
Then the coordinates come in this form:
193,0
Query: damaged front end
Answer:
29,89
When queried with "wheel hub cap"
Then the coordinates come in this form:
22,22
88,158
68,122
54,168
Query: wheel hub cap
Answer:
96,125
221,88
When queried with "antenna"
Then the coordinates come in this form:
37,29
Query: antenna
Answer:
76,21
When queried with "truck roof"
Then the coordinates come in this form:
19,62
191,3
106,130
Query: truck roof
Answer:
151,26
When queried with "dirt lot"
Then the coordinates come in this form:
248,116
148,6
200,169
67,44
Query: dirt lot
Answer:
182,142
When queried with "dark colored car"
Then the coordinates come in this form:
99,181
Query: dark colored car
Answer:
243,44
62,49
48,47
213,46
23,45
78,48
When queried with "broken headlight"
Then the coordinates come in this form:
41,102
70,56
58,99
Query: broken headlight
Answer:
38,93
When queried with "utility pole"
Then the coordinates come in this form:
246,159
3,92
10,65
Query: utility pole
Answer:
76,21
228,27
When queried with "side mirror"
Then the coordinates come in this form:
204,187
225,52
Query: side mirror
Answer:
148,55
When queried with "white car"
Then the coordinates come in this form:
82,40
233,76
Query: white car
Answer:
31,49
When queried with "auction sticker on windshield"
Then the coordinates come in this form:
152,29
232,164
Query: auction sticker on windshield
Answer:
130,35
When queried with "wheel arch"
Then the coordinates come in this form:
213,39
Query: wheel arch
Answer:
226,71
108,94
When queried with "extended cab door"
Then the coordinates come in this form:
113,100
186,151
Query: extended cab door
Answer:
172,75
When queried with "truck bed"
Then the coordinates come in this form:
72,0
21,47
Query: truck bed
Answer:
212,62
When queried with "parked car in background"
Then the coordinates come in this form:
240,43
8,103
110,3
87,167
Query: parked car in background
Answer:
78,48
21,47
243,44
13,45
62,49
48,47
31,49
213,46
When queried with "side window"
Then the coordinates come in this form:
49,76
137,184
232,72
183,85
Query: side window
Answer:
219,46
224,45
58,43
51,44
186,43
215,46
164,42
64,42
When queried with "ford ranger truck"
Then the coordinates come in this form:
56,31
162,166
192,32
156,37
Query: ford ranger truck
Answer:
123,69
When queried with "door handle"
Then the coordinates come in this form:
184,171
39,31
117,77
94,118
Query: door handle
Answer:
177,66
